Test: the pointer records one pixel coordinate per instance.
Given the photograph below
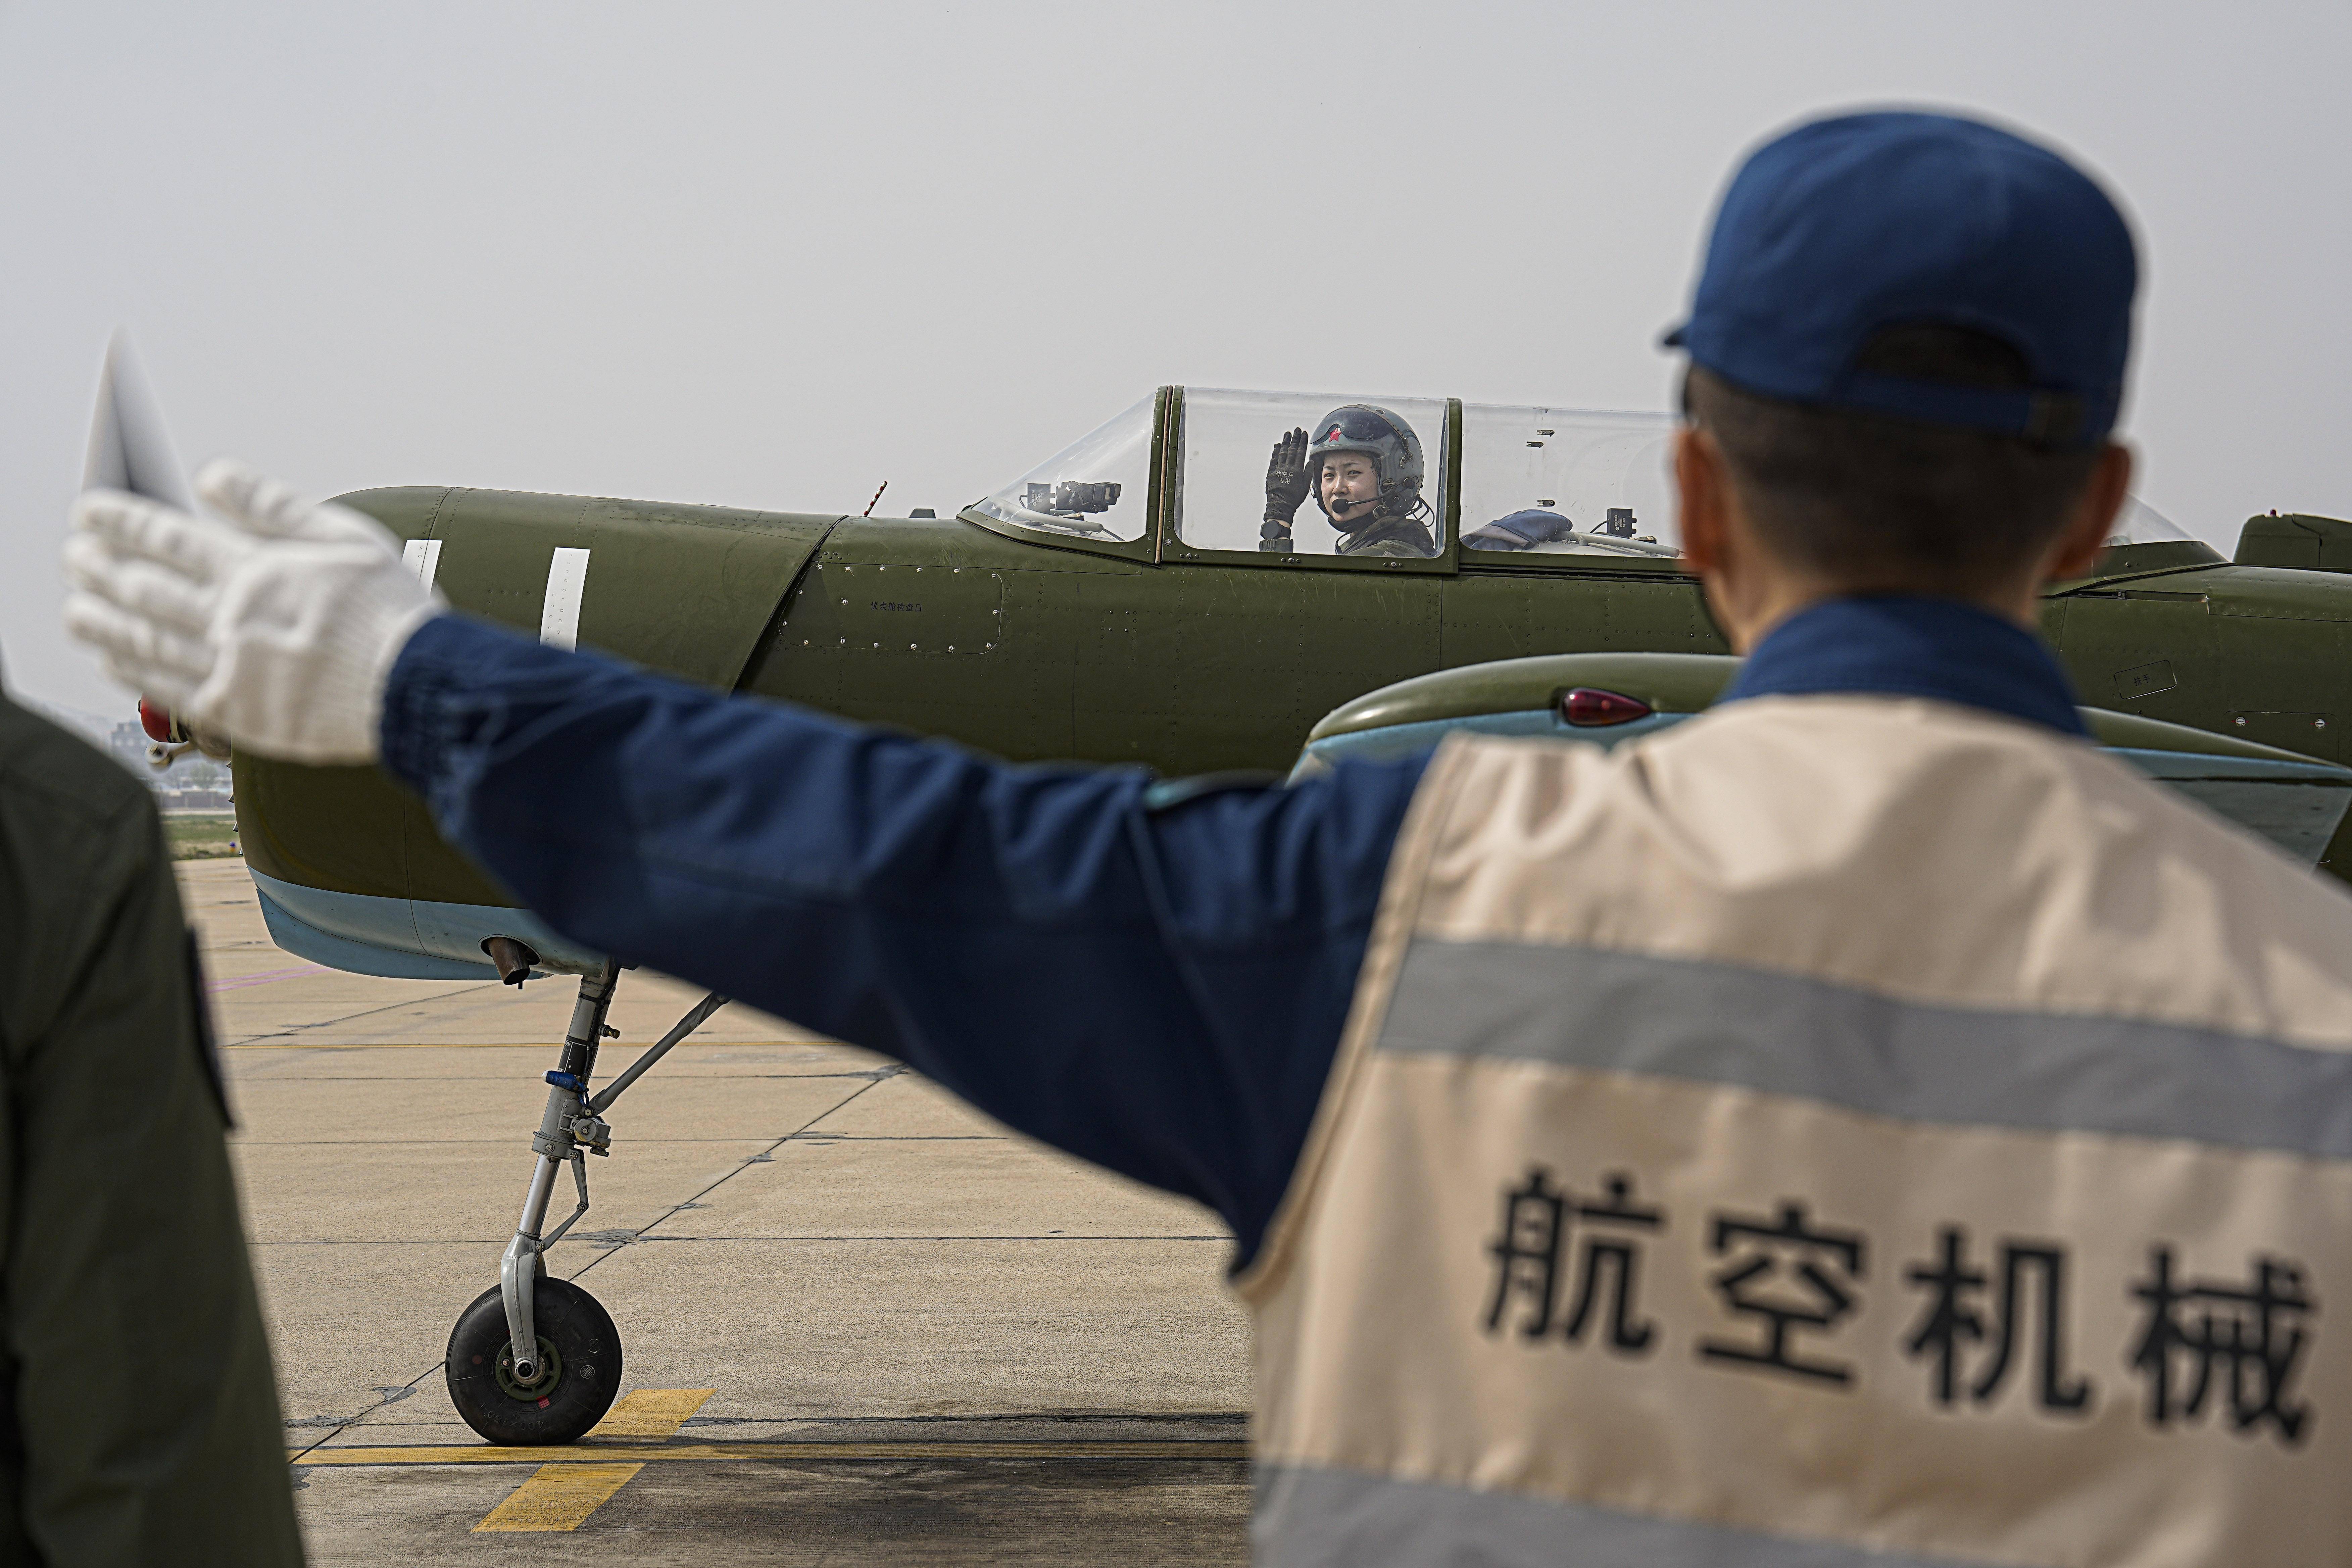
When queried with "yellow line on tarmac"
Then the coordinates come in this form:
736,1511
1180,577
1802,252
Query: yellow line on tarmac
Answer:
562,1496
669,1453
651,1413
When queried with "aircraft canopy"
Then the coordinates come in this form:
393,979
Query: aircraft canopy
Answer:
1535,480
1098,486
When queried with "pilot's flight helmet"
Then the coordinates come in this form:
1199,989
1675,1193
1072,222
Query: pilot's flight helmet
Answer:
1386,437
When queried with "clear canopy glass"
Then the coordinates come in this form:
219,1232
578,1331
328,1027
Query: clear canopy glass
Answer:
1229,439
1566,481
2140,524
1535,480
1099,487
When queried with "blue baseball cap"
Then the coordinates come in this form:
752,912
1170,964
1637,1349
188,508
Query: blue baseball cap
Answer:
1841,228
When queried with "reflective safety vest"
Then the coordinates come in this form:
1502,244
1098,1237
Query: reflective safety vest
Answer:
1842,1131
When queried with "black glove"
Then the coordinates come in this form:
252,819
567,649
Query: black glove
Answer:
1285,479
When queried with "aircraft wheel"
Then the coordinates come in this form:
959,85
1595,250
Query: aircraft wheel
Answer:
580,1353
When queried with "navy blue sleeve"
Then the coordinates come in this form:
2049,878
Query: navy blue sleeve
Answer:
1158,990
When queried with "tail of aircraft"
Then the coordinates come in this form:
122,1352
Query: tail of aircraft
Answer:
2297,541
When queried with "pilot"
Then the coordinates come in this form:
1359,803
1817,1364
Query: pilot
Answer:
1866,1123
1364,468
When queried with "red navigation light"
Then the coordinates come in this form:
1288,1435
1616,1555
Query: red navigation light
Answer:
156,720
1588,706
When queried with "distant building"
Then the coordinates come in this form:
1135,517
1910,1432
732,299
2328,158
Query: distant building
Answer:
129,745
192,783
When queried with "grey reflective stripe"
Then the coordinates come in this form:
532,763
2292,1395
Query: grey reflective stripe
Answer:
1715,1024
1343,1519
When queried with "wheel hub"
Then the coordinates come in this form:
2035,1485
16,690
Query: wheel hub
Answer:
550,1372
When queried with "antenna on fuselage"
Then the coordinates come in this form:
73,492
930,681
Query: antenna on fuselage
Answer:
877,496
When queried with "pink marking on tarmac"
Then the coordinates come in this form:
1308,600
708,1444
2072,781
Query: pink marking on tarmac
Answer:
265,977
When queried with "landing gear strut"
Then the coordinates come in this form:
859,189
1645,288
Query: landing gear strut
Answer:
535,1359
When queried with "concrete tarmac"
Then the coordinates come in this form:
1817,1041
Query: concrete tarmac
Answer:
861,1323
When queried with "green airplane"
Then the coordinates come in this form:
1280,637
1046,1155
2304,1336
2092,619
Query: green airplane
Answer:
1194,587
1122,602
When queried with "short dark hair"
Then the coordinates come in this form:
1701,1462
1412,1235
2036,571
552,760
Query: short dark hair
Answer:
1873,500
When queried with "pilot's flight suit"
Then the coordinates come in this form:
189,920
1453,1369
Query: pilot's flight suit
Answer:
141,1422
1868,1119
1387,534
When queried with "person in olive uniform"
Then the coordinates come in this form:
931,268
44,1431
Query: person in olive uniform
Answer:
140,1420
1364,468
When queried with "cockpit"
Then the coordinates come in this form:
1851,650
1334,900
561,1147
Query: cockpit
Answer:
1198,473
1303,478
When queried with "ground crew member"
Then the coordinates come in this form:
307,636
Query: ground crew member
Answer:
140,1420
1363,466
1867,1125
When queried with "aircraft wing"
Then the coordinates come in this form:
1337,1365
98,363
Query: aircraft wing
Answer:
2297,802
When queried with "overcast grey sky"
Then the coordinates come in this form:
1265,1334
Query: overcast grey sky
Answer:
770,255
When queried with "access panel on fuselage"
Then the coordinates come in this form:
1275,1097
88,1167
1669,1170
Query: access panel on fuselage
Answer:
2141,649
939,628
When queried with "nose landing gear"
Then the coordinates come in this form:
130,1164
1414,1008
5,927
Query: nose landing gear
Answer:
567,1370
577,1368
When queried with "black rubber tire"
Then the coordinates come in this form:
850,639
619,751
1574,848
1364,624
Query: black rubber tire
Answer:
584,1370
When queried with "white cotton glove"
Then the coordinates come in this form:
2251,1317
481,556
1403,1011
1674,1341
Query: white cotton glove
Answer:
275,629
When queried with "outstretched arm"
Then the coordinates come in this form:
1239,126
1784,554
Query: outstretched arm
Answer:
1159,991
